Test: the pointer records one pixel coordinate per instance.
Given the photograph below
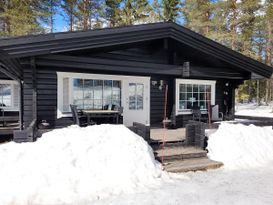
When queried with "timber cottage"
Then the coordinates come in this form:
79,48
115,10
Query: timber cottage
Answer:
40,76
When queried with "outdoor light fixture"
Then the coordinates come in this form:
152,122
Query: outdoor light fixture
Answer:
161,84
154,82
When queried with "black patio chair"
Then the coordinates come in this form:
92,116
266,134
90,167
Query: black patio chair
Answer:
120,111
196,114
78,119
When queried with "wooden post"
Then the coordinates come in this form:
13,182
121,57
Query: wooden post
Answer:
164,122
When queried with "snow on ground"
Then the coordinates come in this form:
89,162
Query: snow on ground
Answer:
252,109
108,164
239,146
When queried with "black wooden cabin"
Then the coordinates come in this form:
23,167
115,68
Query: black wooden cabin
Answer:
129,66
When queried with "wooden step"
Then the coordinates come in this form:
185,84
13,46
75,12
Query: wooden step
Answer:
179,153
194,164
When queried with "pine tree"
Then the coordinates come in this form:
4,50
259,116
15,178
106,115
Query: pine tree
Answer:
88,13
247,21
156,12
197,15
70,8
22,17
170,10
269,31
135,11
113,12
219,22
50,8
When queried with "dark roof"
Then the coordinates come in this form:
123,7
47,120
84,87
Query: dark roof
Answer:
35,45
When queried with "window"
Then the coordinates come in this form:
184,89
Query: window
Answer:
95,94
136,92
9,94
5,95
194,93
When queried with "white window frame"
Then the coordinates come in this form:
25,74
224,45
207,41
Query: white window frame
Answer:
12,83
192,81
71,76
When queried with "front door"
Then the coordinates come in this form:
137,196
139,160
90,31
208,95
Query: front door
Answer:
136,100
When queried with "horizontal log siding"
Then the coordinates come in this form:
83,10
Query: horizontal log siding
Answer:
29,100
157,101
47,96
3,76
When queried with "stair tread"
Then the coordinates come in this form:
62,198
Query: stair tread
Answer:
175,151
193,164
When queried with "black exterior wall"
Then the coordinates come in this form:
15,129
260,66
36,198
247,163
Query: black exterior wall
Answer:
47,97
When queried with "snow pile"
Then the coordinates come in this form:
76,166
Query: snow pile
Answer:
240,146
74,164
252,109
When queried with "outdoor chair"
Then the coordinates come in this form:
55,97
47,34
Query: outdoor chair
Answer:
196,114
79,120
119,109
215,114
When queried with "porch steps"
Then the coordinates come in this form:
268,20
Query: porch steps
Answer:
172,153
193,164
181,158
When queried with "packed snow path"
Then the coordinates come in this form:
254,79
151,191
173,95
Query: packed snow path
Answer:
108,164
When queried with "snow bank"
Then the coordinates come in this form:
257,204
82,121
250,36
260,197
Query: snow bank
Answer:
252,109
73,164
240,146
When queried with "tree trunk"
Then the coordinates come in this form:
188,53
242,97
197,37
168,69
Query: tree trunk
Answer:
233,25
258,92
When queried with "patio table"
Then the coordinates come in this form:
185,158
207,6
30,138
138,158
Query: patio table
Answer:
101,114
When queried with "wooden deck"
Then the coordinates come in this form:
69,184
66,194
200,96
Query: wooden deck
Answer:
171,135
8,129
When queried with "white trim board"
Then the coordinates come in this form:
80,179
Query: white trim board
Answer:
192,81
123,78
12,83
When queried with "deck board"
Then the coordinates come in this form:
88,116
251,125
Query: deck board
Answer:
171,135
194,164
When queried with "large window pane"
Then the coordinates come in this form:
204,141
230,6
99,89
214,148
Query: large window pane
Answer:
136,93
94,94
88,94
5,95
139,93
132,96
98,94
78,93
107,92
